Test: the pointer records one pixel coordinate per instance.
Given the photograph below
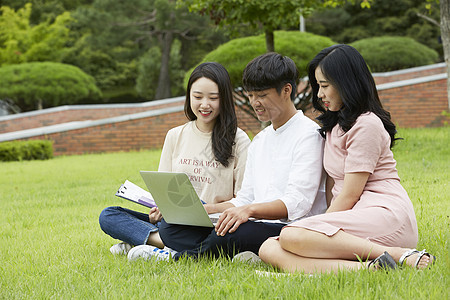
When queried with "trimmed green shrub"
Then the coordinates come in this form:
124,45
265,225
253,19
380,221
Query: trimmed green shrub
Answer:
390,53
236,54
26,150
45,84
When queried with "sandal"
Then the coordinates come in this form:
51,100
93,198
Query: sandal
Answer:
384,261
408,253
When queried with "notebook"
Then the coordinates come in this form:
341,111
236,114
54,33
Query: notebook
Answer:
177,199
134,193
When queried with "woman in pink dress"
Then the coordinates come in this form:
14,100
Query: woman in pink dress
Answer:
370,221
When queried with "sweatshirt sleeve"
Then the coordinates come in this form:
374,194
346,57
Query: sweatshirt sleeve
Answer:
165,162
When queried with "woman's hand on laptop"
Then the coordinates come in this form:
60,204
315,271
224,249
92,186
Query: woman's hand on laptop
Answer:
154,216
212,208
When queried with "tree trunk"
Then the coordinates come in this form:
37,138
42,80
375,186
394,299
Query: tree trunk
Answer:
445,36
163,88
270,46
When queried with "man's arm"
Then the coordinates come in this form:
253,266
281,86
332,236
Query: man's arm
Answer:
233,217
303,176
306,178
217,207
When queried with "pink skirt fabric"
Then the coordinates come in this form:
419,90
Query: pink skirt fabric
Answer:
384,213
391,222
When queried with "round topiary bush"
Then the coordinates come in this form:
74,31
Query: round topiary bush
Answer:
46,84
389,53
236,54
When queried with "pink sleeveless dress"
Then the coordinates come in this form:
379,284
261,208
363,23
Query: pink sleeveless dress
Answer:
384,214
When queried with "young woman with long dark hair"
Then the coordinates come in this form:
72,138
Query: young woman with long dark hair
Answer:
210,149
370,216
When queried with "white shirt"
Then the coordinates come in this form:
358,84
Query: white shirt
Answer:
286,164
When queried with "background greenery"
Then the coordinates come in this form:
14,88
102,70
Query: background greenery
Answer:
26,150
350,23
390,53
38,85
235,54
139,50
52,246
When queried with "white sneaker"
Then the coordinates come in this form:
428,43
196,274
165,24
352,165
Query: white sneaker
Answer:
147,252
247,257
120,248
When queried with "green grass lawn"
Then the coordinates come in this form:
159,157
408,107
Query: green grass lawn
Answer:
51,245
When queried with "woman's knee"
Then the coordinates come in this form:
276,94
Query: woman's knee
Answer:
290,236
269,249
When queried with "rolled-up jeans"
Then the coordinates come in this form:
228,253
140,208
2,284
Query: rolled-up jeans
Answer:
126,225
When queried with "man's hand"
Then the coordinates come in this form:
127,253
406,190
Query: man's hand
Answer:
231,219
154,216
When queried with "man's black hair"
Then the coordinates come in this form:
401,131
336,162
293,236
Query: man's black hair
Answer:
270,70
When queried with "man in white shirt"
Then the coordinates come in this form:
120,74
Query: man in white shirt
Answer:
283,180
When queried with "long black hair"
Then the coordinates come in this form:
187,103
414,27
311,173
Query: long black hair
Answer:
225,127
345,69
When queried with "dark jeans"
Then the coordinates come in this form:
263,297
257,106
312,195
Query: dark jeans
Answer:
195,241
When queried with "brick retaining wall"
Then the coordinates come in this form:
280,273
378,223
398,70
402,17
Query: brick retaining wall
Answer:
137,134
411,73
116,127
71,113
420,105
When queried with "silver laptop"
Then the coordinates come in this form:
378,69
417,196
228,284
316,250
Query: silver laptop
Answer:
177,199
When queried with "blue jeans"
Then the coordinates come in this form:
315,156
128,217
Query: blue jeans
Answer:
126,225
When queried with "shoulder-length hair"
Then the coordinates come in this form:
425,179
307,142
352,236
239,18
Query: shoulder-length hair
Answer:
345,69
224,131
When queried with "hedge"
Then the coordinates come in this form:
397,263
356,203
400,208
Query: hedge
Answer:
26,150
390,53
236,54
49,83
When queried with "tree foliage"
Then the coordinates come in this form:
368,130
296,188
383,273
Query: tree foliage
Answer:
45,10
148,66
113,67
147,24
445,34
235,54
268,15
45,84
349,23
106,39
20,42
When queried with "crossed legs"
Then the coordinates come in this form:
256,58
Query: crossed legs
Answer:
303,250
